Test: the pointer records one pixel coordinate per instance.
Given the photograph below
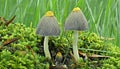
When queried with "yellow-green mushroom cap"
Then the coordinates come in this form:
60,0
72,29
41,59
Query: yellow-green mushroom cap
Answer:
76,20
48,25
49,13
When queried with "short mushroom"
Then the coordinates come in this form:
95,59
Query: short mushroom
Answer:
58,58
48,26
76,21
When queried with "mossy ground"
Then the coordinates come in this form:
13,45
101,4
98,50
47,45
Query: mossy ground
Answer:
27,51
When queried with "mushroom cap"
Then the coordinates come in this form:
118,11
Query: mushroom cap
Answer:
48,25
76,20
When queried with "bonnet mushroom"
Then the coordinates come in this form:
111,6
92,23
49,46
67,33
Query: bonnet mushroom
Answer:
48,26
76,21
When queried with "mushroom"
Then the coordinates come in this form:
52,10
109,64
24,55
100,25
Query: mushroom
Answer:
58,58
76,21
48,26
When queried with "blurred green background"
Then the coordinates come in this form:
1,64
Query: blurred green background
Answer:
103,15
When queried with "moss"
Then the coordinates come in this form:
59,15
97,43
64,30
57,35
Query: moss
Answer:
17,55
27,52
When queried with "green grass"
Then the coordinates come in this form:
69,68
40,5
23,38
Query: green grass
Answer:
103,15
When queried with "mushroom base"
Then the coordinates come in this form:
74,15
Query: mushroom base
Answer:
46,48
75,47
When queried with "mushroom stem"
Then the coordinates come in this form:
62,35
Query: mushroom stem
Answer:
75,47
46,48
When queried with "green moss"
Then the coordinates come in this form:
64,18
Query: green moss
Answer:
17,55
27,52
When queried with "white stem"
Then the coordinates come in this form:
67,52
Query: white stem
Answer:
75,47
46,48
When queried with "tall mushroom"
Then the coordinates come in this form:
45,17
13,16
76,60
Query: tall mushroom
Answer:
48,26
76,21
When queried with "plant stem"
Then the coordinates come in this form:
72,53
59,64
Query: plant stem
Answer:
75,47
46,48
